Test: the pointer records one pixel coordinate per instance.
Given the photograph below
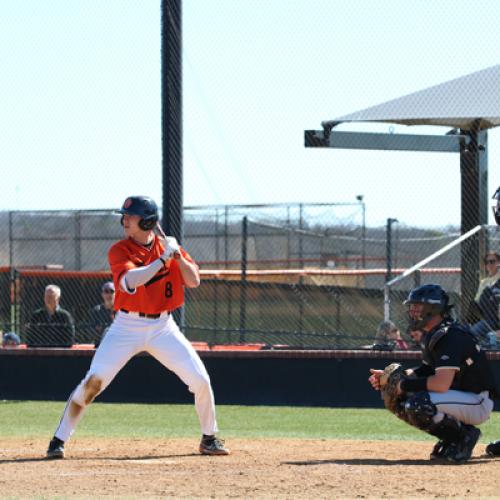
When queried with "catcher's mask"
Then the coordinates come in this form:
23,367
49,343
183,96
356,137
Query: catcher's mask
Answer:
496,206
435,302
144,207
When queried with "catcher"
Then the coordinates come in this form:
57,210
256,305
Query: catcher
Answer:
450,392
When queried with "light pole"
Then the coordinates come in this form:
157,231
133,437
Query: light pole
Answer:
360,198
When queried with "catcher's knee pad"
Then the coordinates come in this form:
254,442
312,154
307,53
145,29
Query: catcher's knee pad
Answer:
420,410
87,390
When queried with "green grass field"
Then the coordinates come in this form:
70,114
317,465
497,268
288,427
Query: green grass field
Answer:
33,419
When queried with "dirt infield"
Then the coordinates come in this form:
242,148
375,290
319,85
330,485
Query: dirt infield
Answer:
268,468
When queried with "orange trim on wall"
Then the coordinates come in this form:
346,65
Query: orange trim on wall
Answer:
65,274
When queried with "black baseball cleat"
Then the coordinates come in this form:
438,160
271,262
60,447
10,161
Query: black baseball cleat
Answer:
493,449
461,451
439,451
56,449
211,445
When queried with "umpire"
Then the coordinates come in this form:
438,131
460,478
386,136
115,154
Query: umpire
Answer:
450,392
493,449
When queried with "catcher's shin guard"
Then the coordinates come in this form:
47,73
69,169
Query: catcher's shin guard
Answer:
421,411
448,429
461,450
449,432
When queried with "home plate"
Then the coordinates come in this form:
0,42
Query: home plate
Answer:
152,461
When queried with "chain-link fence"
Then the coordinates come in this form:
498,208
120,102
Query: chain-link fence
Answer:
444,267
283,311
71,240
281,276
277,236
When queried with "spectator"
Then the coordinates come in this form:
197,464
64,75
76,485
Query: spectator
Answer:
487,300
102,315
10,339
415,336
51,326
388,338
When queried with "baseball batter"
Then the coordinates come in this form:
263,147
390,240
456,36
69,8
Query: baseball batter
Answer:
450,393
149,273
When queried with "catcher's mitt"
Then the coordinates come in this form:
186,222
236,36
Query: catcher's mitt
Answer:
389,381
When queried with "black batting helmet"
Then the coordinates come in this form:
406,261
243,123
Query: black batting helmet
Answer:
143,206
435,300
496,206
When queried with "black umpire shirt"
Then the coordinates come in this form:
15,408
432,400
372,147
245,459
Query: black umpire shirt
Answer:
451,345
45,330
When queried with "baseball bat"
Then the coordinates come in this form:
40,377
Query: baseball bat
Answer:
160,230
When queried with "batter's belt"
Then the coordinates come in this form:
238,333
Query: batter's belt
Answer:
145,315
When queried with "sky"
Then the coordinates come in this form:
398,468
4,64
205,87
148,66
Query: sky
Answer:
80,114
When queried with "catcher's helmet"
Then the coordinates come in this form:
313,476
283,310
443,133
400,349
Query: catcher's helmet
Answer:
496,206
144,207
435,301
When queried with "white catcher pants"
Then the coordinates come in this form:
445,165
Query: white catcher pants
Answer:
127,336
466,407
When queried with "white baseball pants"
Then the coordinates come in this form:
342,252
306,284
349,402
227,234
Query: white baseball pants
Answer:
127,336
466,407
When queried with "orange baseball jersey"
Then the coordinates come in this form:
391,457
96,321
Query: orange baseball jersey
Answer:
163,292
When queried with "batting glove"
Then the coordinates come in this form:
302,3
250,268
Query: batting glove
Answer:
171,248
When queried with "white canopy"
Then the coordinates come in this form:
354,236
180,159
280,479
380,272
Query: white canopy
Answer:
457,103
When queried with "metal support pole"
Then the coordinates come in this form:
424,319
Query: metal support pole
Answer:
301,243
11,240
288,237
387,302
171,115
78,242
301,279
363,238
215,282
360,198
171,93
243,283
388,240
226,235
474,185
228,288
13,291
15,317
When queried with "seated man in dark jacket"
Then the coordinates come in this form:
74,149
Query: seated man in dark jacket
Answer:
51,326
102,315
